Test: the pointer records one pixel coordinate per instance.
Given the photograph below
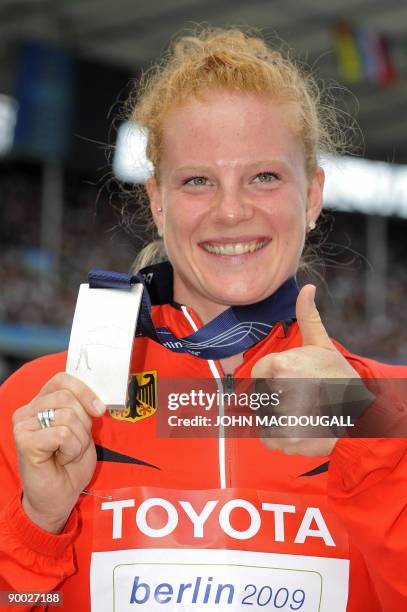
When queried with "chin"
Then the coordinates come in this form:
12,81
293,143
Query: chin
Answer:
240,296
250,288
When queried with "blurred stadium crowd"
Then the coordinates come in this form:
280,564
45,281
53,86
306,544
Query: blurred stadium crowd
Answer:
33,293
344,307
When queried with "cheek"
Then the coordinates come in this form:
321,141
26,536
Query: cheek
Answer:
292,215
178,234
178,228
290,224
182,218
290,220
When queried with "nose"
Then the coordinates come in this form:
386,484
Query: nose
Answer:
231,206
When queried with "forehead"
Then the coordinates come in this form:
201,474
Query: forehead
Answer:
231,126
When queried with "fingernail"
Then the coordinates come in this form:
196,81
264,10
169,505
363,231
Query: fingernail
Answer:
99,406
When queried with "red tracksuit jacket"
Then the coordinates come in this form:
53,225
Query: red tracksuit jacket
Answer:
208,523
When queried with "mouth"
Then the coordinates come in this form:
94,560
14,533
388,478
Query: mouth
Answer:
234,248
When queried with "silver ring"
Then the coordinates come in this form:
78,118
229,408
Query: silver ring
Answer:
46,417
51,415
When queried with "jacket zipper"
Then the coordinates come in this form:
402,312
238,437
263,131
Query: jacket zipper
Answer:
217,375
229,383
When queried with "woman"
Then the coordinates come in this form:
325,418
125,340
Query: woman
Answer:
205,523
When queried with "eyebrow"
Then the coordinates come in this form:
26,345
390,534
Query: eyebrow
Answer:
192,169
204,168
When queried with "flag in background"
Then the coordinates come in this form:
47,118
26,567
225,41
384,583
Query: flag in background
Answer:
363,54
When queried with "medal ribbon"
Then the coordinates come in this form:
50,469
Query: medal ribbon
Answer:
234,331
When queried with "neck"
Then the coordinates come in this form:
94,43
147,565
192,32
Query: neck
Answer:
233,331
205,309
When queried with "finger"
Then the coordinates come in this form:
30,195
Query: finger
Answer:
89,400
63,398
312,329
277,365
68,453
64,417
84,394
310,447
37,447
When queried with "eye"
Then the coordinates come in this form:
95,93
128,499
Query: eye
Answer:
266,177
197,181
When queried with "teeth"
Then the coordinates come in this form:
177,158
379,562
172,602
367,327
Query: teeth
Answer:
236,248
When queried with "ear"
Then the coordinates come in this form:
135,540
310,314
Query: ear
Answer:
154,196
314,195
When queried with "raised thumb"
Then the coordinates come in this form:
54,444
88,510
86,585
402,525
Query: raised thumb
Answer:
312,329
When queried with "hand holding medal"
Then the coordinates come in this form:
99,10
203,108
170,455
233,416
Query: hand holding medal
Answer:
57,457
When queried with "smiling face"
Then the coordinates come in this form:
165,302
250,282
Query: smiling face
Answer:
235,199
